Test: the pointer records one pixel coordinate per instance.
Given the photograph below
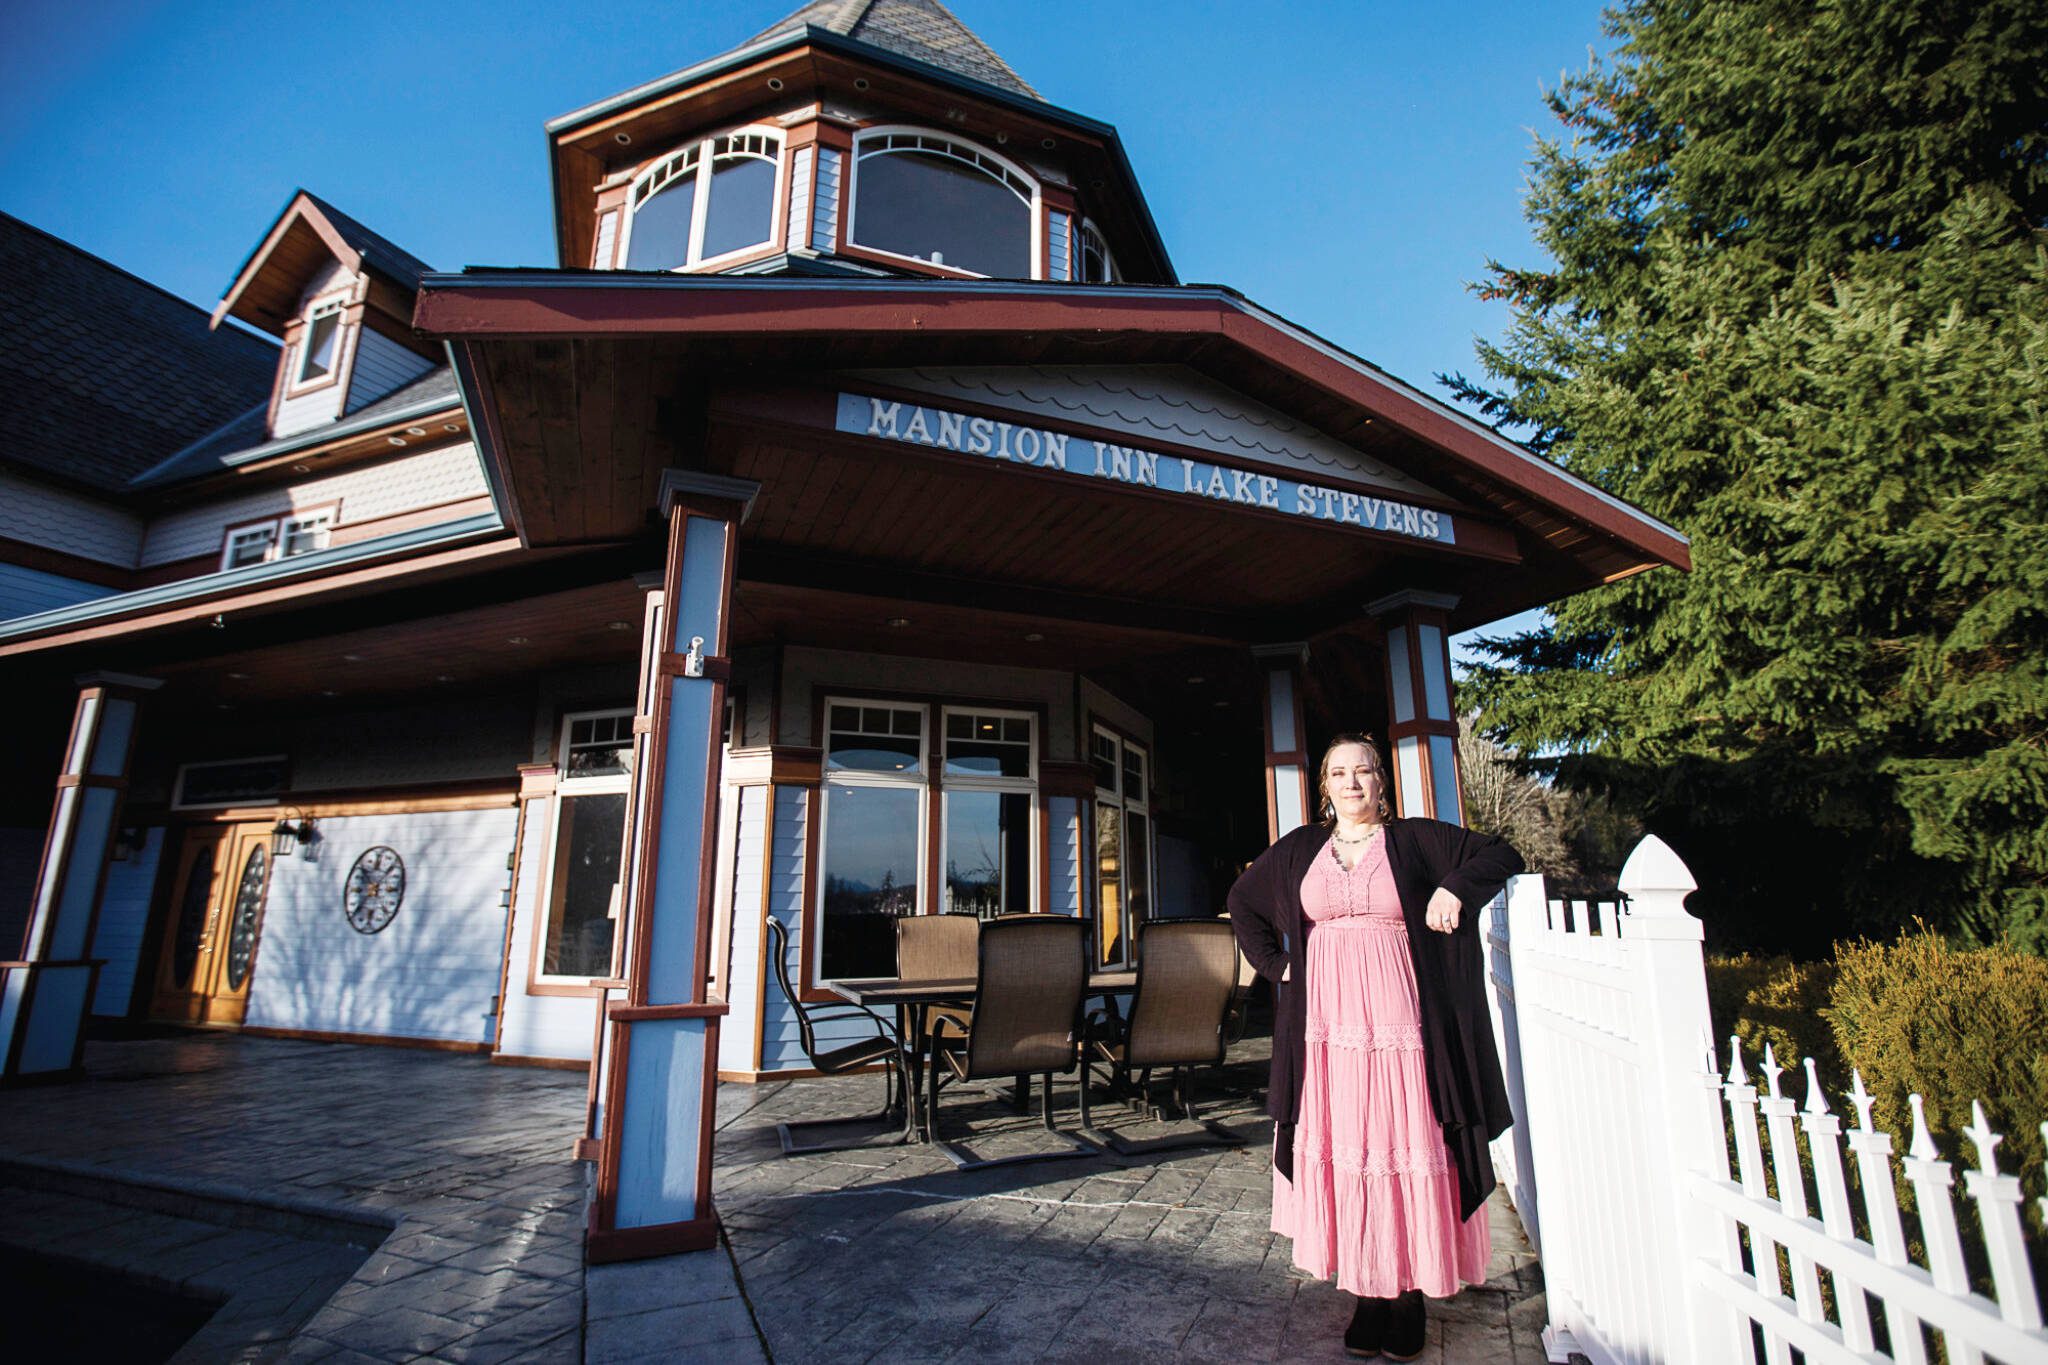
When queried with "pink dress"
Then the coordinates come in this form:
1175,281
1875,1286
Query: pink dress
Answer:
1374,1199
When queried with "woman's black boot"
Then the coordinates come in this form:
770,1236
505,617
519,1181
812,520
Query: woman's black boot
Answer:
1406,1333
1368,1327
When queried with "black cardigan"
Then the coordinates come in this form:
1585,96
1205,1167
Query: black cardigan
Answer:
1465,1086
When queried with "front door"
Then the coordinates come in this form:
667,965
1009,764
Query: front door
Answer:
216,913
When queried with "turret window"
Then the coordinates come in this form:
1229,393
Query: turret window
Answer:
1096,265
950,203
711,199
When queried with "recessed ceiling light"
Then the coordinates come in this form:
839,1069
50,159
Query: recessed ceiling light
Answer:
1047,143
623,139
239,677
1222,703
352,658
775,82
415,431
223,706
444,677
396,440
860,83
618,625
329,692
1196,680
302,469
451,426
1034,637
518,640
897,622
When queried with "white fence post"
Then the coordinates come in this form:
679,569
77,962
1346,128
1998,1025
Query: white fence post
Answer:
1684,1115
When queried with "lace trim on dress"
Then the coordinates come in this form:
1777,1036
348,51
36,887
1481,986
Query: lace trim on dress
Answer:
1359,1161
1367,1037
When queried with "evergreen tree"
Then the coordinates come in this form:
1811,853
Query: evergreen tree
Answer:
1799,309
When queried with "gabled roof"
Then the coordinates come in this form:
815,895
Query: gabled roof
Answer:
265,290
103,374
923,30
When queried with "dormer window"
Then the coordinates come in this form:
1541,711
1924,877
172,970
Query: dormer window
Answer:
939,200
712,199
319,349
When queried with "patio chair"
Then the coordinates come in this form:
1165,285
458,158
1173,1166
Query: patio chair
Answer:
1187,975
1032,974
938,948
883,1048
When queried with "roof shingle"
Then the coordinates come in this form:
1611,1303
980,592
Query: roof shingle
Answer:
102,374
923,30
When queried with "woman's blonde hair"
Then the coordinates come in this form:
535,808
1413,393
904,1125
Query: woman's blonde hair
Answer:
1379,765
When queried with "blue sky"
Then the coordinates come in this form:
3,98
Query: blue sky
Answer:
1351,166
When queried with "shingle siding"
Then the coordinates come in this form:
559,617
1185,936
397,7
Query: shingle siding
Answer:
57,519
382,366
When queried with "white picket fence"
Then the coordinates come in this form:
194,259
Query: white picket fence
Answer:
1618,1165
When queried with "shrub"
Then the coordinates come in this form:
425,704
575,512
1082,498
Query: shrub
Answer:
1953,1025
1774,1000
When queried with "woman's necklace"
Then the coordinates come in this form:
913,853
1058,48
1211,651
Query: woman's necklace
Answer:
1372,833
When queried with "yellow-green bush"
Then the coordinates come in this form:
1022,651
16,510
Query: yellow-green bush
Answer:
1778,1001
1953,1025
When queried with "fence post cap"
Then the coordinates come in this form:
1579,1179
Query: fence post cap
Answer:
1653,869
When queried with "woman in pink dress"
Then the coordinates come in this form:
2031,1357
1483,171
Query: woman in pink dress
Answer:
1386,1088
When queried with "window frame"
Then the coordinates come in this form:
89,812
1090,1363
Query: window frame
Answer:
336,306
1027,786
322,517
1084,229
539,981
701,173
919,782
1034,204
1123,803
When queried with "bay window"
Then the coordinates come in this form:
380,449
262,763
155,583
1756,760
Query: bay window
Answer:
711,199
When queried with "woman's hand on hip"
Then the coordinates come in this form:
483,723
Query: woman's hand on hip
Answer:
1444,910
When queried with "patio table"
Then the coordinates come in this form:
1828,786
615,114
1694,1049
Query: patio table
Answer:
912,998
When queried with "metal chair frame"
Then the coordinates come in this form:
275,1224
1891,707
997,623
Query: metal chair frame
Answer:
885,1047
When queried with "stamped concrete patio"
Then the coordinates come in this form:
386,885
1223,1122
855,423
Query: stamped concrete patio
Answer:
350,1203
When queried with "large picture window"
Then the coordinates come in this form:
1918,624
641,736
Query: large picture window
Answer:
1123,843
885,763
711,199
594,768
990,775
932,198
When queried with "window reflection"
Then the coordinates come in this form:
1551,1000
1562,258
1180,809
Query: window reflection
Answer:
988,853
943,202
870,876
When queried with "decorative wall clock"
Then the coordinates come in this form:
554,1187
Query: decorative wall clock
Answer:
375,886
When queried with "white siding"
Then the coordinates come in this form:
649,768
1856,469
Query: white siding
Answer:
607,238
381,365
539,1025
60,520
124,916
738,1030
314,407
365,493
1060,246
24,592
825,208
799,216
1158,402
1064,815
431,973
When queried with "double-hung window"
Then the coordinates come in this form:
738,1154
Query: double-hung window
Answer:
873,836
594,775
991,782
295,533
1123,843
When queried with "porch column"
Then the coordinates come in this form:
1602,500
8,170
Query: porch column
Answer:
1290,786
44,996
660,1062
1424,728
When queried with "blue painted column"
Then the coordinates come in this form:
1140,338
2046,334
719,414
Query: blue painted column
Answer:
45,995
659,1062
1423,719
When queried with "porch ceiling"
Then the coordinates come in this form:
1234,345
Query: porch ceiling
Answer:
586,385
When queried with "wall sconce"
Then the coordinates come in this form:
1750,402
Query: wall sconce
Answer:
128,842
287,834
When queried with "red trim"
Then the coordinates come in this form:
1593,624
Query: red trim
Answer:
640,1014
604,1245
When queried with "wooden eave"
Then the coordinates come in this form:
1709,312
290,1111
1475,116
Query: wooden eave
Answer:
265,293
814,72
572,378
444,426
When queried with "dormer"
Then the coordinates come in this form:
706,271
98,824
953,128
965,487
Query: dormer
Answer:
340,298
859,136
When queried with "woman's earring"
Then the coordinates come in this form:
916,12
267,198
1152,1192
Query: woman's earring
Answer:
1386,811
1328,809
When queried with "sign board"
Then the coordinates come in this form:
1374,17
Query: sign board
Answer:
1079,457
